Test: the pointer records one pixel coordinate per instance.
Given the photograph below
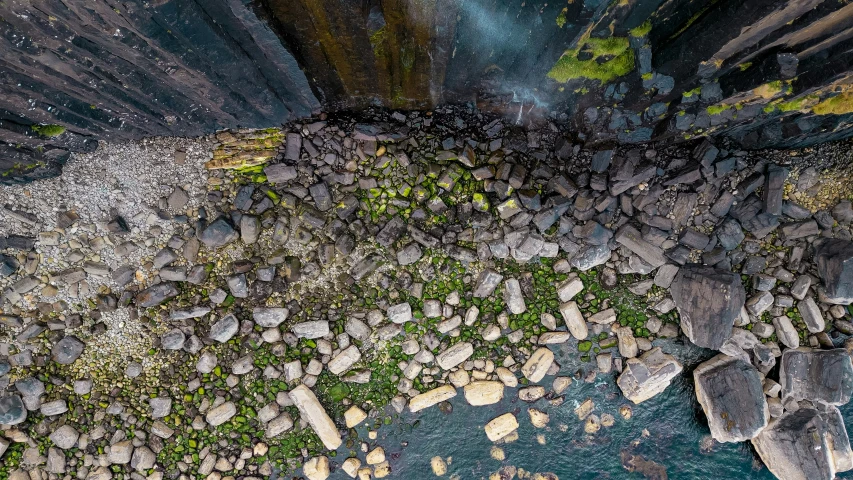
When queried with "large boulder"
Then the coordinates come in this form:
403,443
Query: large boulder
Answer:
824,376
648,375
731,394
708,301
805,444
834,259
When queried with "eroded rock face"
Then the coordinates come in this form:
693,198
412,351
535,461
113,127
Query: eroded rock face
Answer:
648,375
834,258
708,301
806,444
730,392
824,376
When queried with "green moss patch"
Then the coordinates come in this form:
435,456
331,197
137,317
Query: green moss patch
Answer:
602,59
48,130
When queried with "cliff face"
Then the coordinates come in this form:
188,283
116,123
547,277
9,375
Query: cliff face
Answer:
767,73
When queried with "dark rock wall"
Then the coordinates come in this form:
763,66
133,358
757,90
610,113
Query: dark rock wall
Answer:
767,73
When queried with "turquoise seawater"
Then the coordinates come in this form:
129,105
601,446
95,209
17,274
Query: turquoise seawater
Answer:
669,430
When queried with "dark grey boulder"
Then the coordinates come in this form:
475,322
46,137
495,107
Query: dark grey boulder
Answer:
156,294
834,258
12,411
824,376
218,233
805,444
730,392
708,301
67,350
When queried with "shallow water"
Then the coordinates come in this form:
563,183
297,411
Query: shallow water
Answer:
675,425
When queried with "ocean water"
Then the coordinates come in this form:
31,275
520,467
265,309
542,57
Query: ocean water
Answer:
669,430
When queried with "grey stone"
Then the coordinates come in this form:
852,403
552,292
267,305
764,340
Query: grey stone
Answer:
218,415
409,254
708,301
160,407
795,230
30,386
800,287
805,444
173,339
345,360
250,228
280,173
487,282
311,329
834,259
648,375
56,407
513,297
67,350
64,437
143,459
173,274
269,317
811,314
454,355
591,257
12,411
238,285
219,233
156,294
774,189
191,312
357,329
730,234
786,332
164,257
759,303
824,376
731,394
400,313
224,329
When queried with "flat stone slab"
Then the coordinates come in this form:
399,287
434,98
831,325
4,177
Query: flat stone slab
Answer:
818,375
834,258
535,368
432,397
501,426
648,375
805,444
454,355
269,317
708,301
484,392
312,411
631,238
344,360
732,397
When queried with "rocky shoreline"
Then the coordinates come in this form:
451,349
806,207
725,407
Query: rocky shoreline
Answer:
236,305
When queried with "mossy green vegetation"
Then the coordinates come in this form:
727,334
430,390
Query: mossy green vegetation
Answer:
641,30
48,130
837,105
717,109
561,18
602,59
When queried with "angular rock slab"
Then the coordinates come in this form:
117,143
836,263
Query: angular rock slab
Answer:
12,411
805,444
824,376
67,350
708,301
731,394
312,411
834,260
648,375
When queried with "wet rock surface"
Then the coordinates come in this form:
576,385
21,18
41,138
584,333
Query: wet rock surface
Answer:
731,393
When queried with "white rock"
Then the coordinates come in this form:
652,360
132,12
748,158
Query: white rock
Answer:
568,289
538,364
501,426
454,355
344,360
574,320
312,411
484,392
432,397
